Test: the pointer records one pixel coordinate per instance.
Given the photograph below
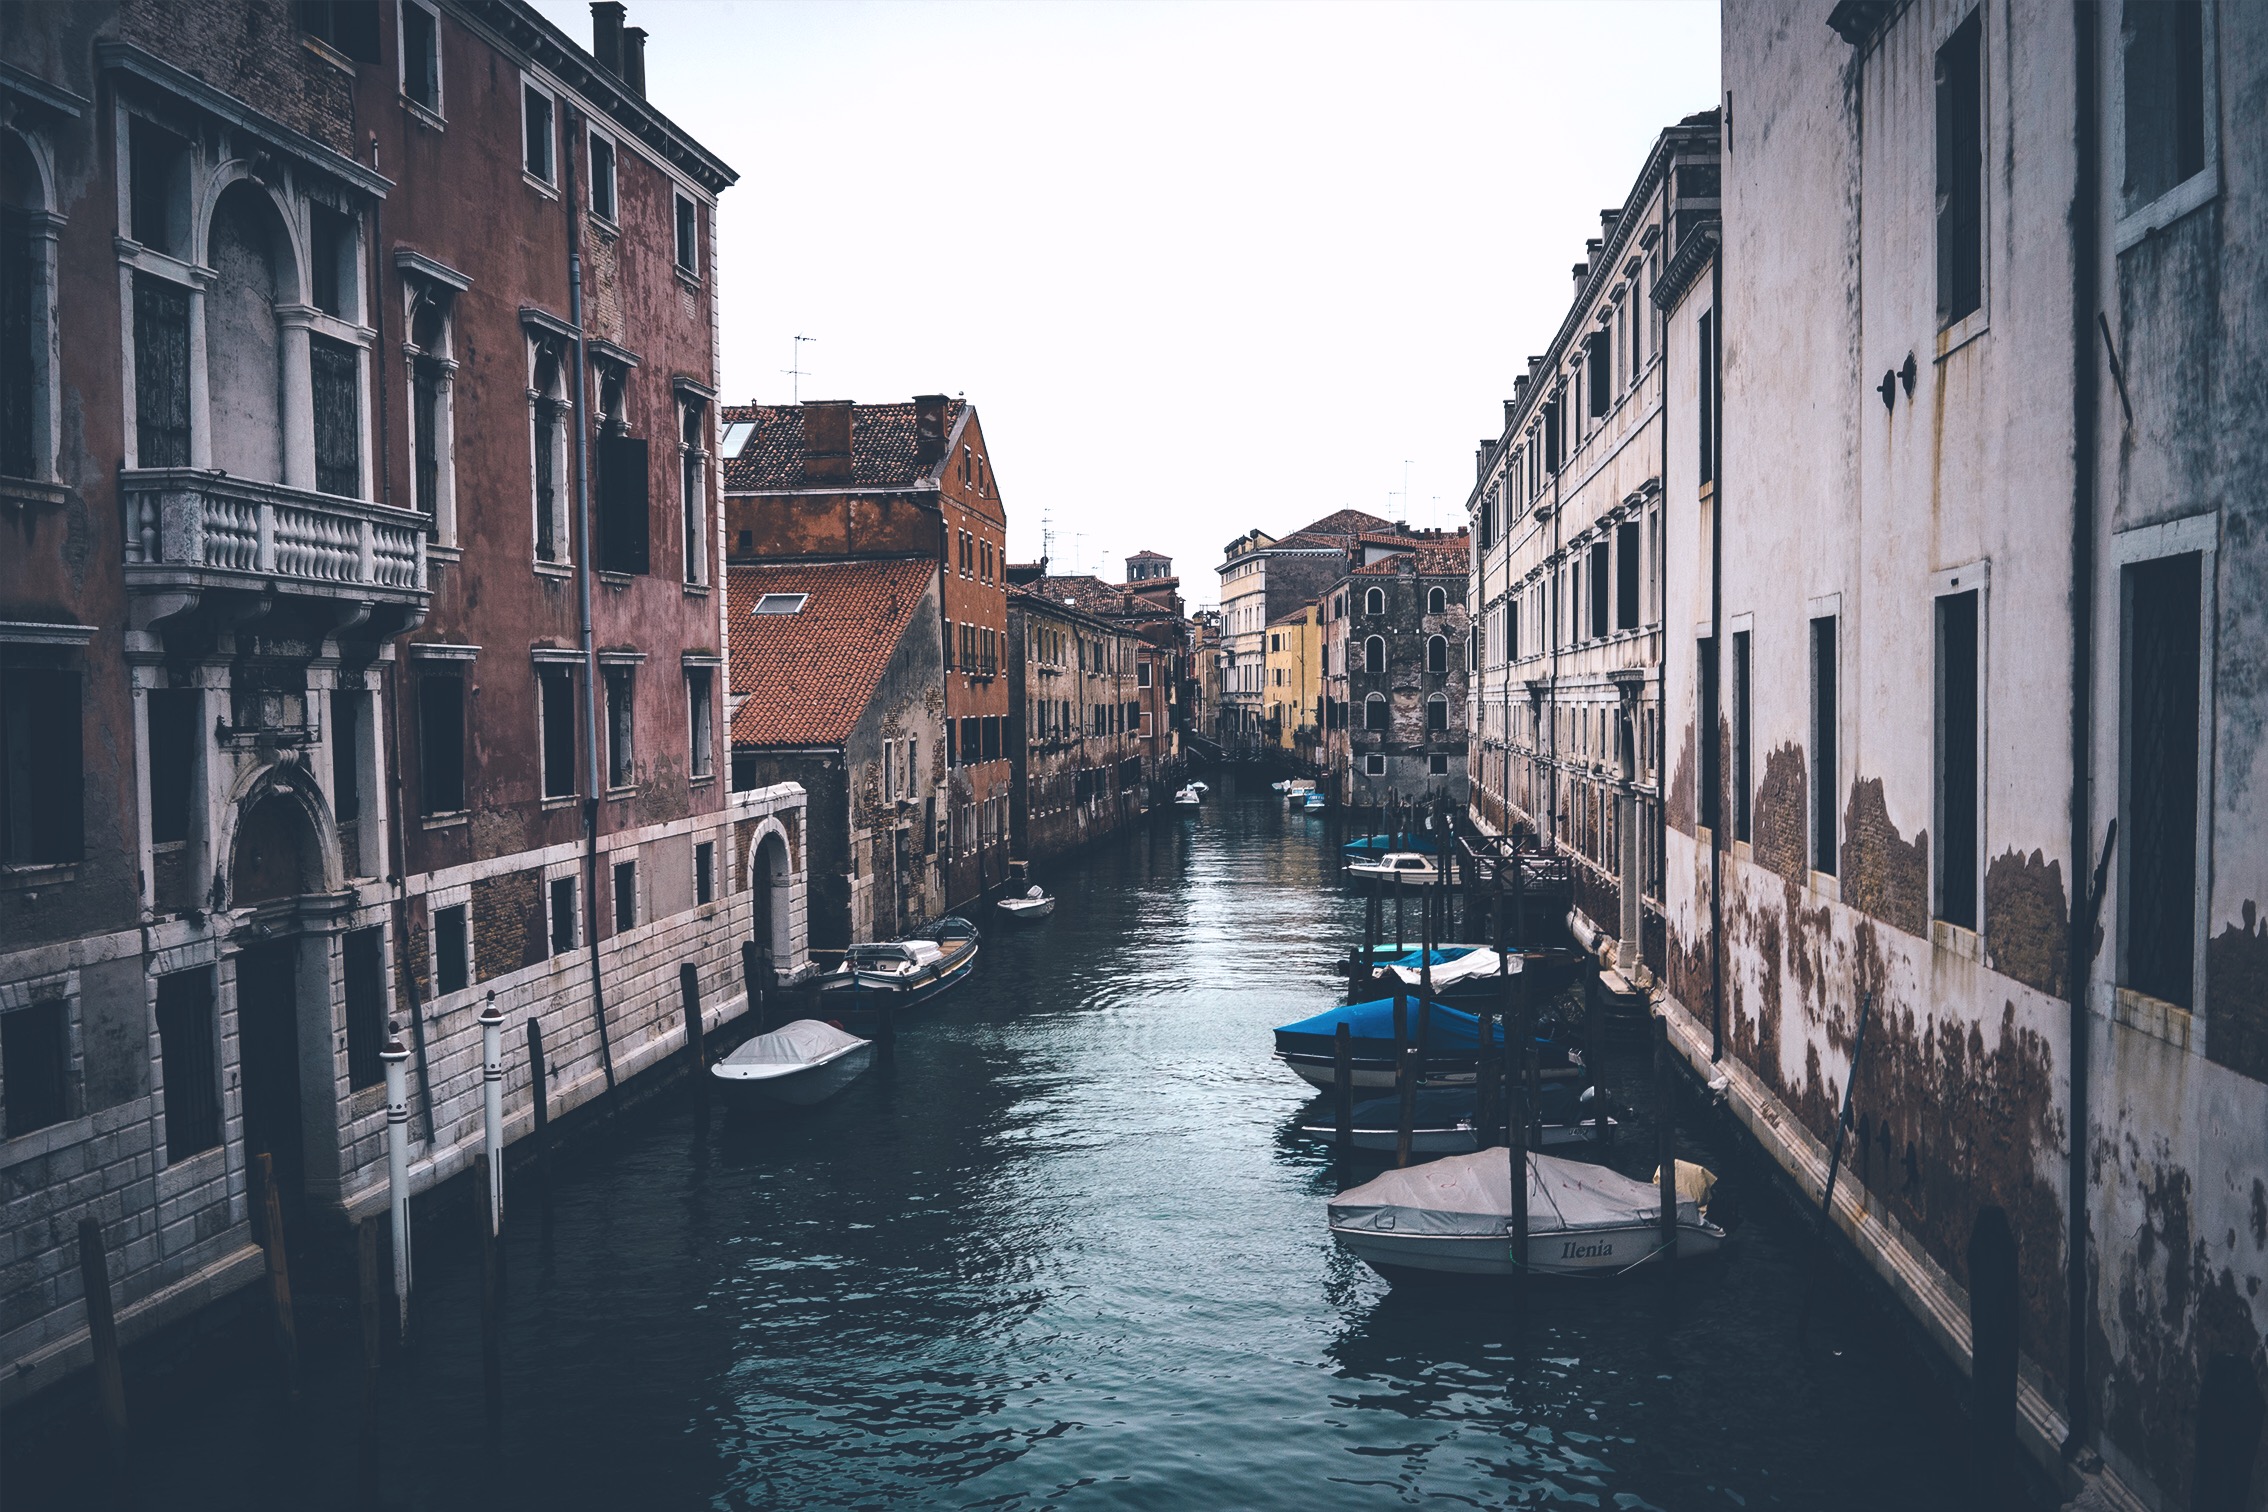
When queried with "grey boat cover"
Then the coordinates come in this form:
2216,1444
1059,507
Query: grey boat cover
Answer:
1472,1195
789,1048
1473,963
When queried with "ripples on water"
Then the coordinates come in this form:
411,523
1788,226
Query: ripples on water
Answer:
1062,1253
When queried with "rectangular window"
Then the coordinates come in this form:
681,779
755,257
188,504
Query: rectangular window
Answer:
701,728
991,737
1551,439
2164,48
535,120
188,1062
161,372
563,915
42,780
1958,756
350,26
1626,603
693,494
441,741
624,505
2159,728
1960,171
705,872
365,1009
350,721
1142,675
1705,394
1743,737
331,259
688,238
1712,740
1437,764
621,759
602,177
452,950
35,1065
625,896
1598,382
425,434
1374,765
555,692
1824,707
174,738
158,180
1600,602
335,369
421,56
23,333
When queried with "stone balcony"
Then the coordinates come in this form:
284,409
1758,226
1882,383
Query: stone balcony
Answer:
192,536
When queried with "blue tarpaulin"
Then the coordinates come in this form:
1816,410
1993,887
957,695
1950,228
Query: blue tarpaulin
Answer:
1379,845
1371,1025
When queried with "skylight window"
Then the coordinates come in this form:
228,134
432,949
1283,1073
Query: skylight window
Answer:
782,603
736,436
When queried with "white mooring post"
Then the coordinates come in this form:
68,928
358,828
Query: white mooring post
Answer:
396,1056
492,1106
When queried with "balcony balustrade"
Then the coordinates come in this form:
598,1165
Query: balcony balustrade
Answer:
189,530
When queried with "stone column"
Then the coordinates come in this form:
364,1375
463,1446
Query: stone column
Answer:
296,395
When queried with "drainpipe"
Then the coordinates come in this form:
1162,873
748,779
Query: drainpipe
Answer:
591,789
1661,589
1717,640
2085,299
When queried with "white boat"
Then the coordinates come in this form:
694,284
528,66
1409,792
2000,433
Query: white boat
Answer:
800,1064
1454,1217
905,972
1395,866
1033,906
1189,797
1294,789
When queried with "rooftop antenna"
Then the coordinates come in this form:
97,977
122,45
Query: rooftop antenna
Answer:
1405,484
1047,531
795,369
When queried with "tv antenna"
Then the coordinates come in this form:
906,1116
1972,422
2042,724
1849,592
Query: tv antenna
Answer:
795,369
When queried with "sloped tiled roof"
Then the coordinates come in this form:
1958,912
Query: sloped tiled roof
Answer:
808,675
1337,529
1449,557
882,446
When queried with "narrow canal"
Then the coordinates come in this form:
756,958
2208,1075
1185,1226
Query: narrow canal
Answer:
1062,1252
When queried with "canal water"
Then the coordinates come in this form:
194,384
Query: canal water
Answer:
1061,1253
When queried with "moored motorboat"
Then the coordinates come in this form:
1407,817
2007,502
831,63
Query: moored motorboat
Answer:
796,1065
1313,801
1453,1216
1371,847
1450,1036
906,972
1189,797
1399,867
1445,1121
1031,907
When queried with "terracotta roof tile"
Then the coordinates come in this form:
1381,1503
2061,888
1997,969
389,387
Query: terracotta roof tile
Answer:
808,675
882,446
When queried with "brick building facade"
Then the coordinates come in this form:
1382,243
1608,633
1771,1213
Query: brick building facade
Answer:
1394,660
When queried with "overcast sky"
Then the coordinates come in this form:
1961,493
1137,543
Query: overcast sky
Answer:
1199,267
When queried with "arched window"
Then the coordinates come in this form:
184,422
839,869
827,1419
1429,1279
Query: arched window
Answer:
1374,712
1437,713
27,314
1437,652
433,470
253,263
1374,654
1374,602
1437,601
547,419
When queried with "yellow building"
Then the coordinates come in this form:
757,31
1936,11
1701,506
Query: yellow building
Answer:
1293,689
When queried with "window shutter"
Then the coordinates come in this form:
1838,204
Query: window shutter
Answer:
623,512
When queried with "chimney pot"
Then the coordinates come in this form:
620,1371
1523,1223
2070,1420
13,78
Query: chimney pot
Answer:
606,34
1582,273
634,59
929,427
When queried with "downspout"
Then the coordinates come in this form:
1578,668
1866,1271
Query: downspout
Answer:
1717,638
591,789
1661,590
2085,299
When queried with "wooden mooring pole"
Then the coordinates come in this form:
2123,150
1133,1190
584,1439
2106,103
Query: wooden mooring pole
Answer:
102,1335
1342,1089
491,1311
689,991
1405,1080
279,1271
1665,1135
539,1103
1594,1050
367,1288
752,976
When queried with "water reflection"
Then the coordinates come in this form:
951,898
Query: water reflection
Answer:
1060,1252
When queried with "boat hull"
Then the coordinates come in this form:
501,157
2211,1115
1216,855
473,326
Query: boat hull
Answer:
1462,1140
1604,1251
873,990
804,1087
1032,914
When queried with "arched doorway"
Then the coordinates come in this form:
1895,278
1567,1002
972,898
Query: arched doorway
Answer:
275,857
771,881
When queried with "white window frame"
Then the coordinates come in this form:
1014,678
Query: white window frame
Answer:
545,183
439,899
638,912
1374,764
611,217
537,338
46,229
436,112
2142,220
693,459
424,281
570,872
608,668
701,762
691,270
1374,601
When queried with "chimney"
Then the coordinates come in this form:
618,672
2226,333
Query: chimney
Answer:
1582,274
1519,392
826,440
1480,462
1608,220
606,35
634,59
929,427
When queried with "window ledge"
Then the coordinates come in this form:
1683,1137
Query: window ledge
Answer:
1961,332
447,821
191,1170
697,590
621,794
703,780
47,1141
424,115
564,800
1826,885
33,493
53,873
2152,1016
560,570
617,580
548,191
329,54
2193,193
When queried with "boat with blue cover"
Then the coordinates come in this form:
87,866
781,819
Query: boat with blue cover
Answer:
1450,1037
1372,847
1467,974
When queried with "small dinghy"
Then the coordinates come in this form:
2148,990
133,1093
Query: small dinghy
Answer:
1033,906
1444,1121
1395,866
1313,801
1189,797
1454,1217
803,1063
